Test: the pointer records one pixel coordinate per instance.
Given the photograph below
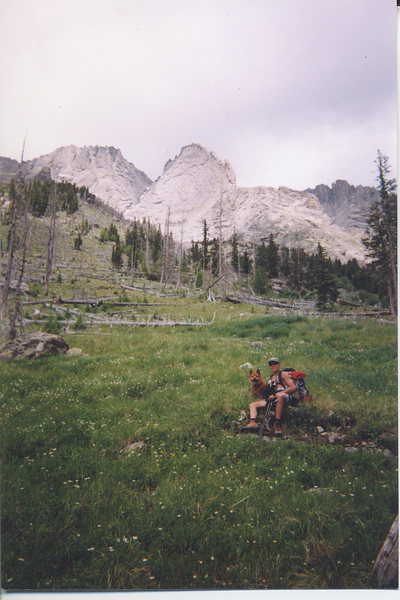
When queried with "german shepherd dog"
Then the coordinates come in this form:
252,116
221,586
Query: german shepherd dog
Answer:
258,385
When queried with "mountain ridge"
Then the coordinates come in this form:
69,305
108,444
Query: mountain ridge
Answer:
196,185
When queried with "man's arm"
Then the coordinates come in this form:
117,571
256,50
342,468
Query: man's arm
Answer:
288,382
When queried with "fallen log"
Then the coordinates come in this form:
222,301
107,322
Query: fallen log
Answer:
113,323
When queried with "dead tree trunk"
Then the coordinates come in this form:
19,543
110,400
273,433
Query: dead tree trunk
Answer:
147,259
51,240
254,260
178,281
165,251
16,193
220,256
25,247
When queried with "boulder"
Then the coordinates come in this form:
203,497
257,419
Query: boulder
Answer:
333,437
33,345
74,352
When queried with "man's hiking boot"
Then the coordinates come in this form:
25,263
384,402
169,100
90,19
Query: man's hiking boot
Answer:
277,428
251,426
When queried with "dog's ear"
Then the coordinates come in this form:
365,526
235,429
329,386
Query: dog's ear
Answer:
251,370
258,371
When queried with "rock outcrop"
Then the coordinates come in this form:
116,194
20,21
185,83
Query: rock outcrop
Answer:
8,169
346,204
33,345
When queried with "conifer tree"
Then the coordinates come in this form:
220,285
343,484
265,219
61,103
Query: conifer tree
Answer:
323,280
285,261
156,245
205,255
261,283
245,263
214,253
78,241
298,263
116,255
381,234
235,252
272,255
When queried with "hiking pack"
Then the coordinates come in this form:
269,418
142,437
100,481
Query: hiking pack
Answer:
298,377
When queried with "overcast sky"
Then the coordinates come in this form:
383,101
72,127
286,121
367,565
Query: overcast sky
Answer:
290,92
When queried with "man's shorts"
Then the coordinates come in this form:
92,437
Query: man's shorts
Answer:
291,399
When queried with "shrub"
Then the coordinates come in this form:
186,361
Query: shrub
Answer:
52,325
79,324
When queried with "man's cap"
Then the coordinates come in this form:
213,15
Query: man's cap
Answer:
274,359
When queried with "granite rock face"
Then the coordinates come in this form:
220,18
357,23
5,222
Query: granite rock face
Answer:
8,169
103,170
346,204
197,186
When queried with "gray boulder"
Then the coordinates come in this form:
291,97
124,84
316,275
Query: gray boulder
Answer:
33,345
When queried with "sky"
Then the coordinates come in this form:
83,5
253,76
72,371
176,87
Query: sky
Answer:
290,93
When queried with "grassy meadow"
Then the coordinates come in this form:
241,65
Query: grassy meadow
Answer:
123,467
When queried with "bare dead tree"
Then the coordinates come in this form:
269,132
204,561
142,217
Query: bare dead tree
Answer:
220,250
25,245
165,250
147,260
254,259
178,281
16,193
171,257
51,239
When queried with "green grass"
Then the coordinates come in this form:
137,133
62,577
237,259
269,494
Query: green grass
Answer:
197,506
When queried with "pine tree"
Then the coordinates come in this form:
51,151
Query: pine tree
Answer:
323,280
298,263
272,254
285,261
245,263
381,234
78,241
195,253
261,283
39,198
235,252
261,256
205,254
156,245
116,255
214,253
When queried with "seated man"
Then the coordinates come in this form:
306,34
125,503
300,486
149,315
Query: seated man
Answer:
284,390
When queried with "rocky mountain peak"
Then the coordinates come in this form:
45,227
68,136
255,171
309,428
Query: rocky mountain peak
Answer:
102,169
347,204
193,187
196,186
